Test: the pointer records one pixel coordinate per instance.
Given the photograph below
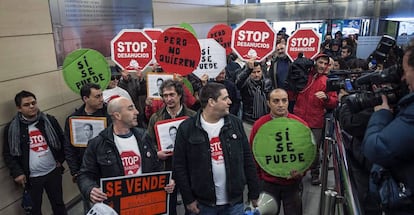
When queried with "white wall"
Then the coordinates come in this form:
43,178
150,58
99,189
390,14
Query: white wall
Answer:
28,61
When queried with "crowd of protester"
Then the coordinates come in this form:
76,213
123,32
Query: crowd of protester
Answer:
217,107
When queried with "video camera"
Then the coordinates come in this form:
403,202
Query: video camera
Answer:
343,79
387,81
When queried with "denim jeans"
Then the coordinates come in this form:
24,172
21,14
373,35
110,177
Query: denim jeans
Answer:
236,209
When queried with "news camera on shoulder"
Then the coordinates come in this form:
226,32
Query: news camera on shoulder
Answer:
366,90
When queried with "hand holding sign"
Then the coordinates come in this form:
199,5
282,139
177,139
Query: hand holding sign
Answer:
178,51
85,66
284,145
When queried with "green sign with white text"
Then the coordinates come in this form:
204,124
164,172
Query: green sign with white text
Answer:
282,145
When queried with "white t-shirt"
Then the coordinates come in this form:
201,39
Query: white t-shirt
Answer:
130,155
41,160
117,91
217,160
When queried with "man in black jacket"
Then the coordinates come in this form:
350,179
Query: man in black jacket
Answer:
33,152
93,106
105,155
254,87
212,157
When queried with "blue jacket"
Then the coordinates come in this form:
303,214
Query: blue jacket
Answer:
389,141
192,162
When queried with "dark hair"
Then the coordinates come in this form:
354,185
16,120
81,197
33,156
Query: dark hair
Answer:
257,63
210,90
160,79
177,86
86,89
342,64
358,63
22,94
349,48
410,51
89,125
172,127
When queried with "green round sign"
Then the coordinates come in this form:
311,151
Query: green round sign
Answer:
189,28
86,66
282,145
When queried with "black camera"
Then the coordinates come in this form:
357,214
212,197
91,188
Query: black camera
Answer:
389,84
343,79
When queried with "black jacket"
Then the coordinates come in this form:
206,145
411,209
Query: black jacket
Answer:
192,162
102,159
247,88
19,165
74,154
354,126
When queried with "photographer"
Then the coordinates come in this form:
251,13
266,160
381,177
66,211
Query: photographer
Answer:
312,102
389,140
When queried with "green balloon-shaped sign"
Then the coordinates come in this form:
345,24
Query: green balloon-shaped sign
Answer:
282,145
189,28
86,66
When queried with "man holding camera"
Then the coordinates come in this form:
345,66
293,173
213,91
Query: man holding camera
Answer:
311,103
389,141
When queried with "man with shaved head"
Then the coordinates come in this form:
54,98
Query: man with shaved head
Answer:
284,190
120,142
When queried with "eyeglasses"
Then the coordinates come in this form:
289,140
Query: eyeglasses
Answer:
117,77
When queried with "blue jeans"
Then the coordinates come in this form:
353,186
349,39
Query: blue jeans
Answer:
236,209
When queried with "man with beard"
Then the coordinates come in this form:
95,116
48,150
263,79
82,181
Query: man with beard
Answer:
172,94
279,67
253,88
212,158
312,102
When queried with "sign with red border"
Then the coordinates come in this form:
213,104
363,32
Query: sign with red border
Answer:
253,38
222,34
178,51
132,49
304,40
165,132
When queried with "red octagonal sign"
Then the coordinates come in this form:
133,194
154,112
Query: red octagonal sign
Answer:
304,41
253,38
132,49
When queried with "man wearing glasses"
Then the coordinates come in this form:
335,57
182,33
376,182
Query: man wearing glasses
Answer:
113,91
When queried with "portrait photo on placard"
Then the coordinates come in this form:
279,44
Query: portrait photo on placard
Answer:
166,131
82,129
154,81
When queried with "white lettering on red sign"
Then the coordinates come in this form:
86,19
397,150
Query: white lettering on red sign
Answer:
37,141
131,162
216,149
256,36
302,42
131,46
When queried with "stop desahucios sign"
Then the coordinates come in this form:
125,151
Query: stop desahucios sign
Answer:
305,41
253,38
132,49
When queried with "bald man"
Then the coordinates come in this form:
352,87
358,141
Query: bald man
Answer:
120,141
284,190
